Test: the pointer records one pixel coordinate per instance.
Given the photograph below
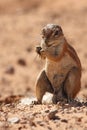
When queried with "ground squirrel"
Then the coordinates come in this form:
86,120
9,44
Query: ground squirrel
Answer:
62,72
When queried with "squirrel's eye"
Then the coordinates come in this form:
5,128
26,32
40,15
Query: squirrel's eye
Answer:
56,33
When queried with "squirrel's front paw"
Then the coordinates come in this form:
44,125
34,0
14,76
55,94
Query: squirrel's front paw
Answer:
38,49
43,54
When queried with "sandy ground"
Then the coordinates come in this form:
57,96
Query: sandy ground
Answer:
21,22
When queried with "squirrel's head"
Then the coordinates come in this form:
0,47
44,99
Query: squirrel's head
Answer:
51,33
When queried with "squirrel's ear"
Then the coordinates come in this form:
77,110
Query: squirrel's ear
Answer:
43,31
59,28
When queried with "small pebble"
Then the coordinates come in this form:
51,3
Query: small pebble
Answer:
47,98
32,123
22,62
52,114
28,101
13,120
46,111
79,119
64,120
10,70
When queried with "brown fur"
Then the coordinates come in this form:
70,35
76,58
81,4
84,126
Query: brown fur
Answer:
62,73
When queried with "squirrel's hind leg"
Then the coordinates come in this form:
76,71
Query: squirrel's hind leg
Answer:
72,83
42,85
